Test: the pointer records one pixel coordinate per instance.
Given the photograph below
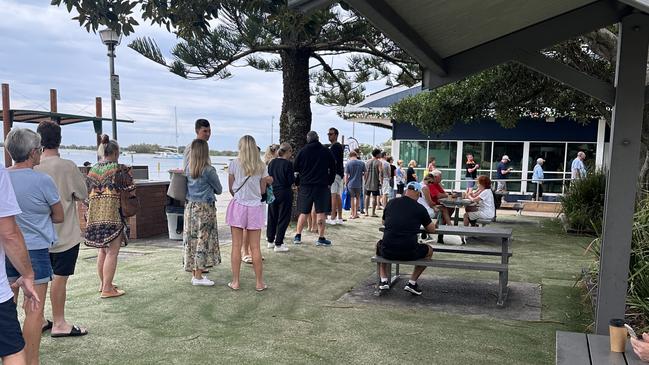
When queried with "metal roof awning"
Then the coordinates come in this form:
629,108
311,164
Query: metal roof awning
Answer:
374,110
37,116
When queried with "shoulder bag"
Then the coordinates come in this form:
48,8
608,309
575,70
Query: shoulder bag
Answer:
129,202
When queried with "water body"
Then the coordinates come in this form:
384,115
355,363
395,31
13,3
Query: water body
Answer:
158,167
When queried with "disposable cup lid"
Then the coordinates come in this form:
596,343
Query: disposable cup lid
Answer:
616,322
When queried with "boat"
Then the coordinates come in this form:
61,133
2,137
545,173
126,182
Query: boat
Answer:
168,155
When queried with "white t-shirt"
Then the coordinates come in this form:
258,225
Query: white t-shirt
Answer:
487,206
8,207
248,192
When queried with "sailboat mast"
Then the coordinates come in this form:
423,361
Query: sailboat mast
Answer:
176,119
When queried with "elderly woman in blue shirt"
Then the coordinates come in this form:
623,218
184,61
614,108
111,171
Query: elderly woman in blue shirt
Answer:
537,178
201,236
41,207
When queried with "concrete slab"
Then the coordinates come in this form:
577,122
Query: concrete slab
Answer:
456,296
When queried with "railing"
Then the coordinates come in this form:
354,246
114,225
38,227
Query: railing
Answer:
563,183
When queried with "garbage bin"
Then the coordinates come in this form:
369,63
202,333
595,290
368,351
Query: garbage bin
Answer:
175,223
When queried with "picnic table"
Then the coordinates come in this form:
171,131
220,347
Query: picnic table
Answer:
456,204
589,349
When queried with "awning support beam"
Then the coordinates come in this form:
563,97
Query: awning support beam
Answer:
598,89
626,128
392,25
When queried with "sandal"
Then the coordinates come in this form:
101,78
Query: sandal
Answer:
116,293
114,286
47,327
75,331
247,259
232,287
262,288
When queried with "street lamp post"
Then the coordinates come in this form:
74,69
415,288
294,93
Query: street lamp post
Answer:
112,39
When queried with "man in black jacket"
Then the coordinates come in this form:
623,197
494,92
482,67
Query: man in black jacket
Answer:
316,169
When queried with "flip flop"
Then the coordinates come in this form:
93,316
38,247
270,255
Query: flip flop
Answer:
247,259
231,287
47,327
118,293
261,289
114,285
75,331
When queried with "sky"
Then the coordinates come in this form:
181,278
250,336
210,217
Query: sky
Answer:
42,48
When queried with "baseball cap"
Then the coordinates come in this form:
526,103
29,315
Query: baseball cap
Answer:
505,157
413,185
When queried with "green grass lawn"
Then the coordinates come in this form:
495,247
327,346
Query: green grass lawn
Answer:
163,319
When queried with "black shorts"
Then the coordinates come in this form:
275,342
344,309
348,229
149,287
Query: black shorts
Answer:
418,252
372,192
318,195
11,338
400,188
64,263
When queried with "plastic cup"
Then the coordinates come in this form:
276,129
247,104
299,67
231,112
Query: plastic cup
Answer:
617,334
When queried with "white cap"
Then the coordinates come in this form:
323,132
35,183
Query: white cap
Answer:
505,157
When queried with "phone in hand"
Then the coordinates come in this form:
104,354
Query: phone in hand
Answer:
632,332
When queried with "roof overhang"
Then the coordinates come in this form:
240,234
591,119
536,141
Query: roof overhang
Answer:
37,116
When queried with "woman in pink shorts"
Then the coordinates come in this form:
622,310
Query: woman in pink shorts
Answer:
247,179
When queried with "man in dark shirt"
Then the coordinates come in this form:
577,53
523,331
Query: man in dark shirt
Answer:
403,218
315,166
502,170
337,187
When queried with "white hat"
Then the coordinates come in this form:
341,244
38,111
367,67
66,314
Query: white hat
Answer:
505,157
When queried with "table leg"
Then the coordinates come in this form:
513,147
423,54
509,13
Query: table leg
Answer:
457,215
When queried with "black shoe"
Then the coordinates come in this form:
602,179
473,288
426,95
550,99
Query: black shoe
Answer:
413,289
440,239
384,285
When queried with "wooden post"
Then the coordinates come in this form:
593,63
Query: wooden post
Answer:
98,114
6,118
53,105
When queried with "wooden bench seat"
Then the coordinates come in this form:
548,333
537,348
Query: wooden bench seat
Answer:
504,234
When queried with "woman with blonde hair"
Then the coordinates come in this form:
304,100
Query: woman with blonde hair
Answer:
271,153
410,172
106,227
247,178
201,234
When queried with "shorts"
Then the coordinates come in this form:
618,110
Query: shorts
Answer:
372,192
354,192
337,186
309,195
385,187
11,338
64,263
244,217
420,251
502,186
470,182
473,216
400,187
40,264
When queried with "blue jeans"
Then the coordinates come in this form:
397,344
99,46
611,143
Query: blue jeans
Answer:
41,265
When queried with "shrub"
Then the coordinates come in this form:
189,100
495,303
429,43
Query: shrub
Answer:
583,203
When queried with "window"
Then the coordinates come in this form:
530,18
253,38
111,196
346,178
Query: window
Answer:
514,150
588,148
444,154
553,167
413,150
481,152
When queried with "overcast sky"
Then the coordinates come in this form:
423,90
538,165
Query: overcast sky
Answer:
42,48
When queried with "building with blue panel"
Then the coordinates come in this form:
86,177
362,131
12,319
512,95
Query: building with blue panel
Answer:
557,141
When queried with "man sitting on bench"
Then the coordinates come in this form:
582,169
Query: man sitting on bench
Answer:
402,219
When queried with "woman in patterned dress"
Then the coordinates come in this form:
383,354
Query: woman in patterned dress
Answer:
106,227
201,234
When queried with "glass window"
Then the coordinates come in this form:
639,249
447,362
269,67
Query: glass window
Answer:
548,186
443,152
413,150
514,150
553,167
481,154
588,148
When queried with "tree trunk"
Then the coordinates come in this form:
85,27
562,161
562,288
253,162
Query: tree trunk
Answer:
295,120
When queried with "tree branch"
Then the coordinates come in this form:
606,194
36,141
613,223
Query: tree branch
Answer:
331,72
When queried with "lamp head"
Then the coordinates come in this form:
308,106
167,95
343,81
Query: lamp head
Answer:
110,37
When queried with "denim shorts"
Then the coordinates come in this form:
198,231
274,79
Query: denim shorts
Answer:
40,264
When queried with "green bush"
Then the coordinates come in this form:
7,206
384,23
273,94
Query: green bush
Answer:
583,203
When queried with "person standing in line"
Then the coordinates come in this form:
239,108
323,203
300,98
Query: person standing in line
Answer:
106,227
201,233
393,172
471,169
71,185
432,165
337,151
12,244
247,178
41,207
502,173
385,173
316,168
400,177
271,153
203,131
537,178
279,211
354,171
372,181
577,168
411,175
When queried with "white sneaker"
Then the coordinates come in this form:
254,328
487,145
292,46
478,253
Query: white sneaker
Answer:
202,282
339,221
271,245
331,221
281,248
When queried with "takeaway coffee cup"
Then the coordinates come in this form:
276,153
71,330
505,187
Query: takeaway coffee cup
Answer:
617,334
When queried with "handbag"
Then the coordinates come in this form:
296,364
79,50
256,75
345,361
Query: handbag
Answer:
268,196
177,186
347,202
128,201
